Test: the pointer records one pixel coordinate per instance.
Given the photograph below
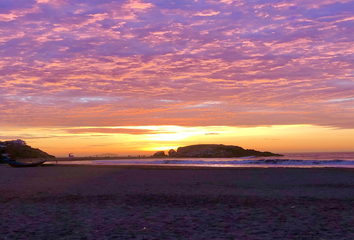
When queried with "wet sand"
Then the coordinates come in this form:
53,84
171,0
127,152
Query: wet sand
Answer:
85,202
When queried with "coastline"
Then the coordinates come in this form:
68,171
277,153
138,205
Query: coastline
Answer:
193,167
136,202
319,160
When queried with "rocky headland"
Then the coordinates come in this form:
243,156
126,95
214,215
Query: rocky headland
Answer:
18,149
213,151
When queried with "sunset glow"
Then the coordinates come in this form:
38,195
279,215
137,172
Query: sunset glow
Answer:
137,76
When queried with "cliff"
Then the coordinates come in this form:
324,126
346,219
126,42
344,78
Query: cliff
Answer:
15,150
216,151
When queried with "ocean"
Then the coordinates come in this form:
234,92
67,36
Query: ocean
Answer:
289,160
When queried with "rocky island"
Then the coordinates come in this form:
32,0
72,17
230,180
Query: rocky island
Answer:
213,151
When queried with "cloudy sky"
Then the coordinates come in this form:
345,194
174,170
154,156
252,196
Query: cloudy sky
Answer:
129,76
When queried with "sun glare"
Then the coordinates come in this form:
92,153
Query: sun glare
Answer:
146,140
160,148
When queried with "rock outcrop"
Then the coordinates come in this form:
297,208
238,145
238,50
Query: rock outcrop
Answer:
159,154
16,150
172,153
216,151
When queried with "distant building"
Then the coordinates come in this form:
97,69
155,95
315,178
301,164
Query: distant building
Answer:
71,155
19,142
16,142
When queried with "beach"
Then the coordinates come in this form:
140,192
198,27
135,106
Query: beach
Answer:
147,202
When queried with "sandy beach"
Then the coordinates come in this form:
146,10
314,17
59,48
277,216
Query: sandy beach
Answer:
85,202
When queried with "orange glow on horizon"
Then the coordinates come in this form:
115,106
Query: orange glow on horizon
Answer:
131,83
145,140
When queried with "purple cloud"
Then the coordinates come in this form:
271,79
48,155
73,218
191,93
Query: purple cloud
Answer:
107,63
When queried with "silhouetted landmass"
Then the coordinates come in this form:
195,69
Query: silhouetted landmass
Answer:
159,154
17,149
216,151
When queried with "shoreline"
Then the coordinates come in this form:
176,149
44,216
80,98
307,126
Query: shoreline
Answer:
186,167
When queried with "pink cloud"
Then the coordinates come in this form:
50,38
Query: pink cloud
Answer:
112,131
98,63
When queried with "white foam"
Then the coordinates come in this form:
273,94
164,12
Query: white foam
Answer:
268,162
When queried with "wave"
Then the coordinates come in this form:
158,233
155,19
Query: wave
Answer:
238,162
260,162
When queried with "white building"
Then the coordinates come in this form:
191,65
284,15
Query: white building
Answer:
16,142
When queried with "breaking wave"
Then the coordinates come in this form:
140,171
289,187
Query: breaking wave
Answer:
219,162
302,160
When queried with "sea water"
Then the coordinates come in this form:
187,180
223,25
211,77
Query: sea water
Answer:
302,160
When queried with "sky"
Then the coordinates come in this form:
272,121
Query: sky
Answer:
136,76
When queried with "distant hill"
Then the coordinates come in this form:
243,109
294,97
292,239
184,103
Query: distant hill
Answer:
216,151
106,155
19,149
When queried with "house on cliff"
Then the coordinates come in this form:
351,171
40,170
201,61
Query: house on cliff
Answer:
18,142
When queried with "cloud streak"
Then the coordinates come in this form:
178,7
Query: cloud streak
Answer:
112,131
133,63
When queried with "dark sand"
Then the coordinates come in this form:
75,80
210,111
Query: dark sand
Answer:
83,202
